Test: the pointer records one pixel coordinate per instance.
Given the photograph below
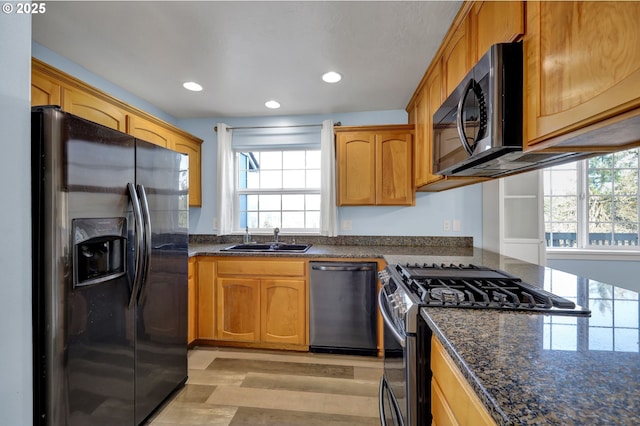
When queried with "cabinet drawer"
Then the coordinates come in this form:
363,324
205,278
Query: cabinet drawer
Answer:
260,267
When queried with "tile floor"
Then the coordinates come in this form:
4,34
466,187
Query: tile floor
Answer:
253,387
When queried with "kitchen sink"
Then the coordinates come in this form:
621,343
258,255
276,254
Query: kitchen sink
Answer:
269,247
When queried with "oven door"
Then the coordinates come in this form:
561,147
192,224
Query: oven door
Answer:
392,397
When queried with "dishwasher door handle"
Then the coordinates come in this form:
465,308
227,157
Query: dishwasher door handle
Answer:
342,268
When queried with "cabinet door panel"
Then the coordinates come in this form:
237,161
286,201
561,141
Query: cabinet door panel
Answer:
582,64
283,316
148,131
456,59
205,294
238,309
44,91
394,184
93,108
193,308
496,22
192,149
356,168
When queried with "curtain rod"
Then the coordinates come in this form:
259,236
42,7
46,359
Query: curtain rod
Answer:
215,129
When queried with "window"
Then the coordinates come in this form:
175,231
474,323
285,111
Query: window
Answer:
278,189
594,203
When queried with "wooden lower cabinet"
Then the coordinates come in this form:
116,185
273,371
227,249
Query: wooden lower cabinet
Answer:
238,309
283,311
453,401
206,292
193,309
256,302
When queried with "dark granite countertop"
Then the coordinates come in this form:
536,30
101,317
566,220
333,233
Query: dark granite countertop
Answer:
528,369
535,369
333,251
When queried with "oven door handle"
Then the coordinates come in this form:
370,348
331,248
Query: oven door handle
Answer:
382,303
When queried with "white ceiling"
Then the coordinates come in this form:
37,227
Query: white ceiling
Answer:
245,53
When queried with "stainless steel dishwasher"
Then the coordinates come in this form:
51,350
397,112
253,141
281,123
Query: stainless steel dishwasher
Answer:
343,310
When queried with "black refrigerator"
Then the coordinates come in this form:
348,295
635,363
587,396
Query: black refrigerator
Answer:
110,240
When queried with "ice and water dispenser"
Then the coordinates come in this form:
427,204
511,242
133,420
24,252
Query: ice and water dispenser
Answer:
99,250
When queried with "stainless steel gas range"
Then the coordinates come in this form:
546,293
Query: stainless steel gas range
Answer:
405,388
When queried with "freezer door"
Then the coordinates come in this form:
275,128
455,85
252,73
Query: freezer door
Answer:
83,329
161,315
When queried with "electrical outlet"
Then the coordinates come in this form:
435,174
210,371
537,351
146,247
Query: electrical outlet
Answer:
456,225
446,225
215,223
345,225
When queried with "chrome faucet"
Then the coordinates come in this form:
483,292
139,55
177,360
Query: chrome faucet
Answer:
276,231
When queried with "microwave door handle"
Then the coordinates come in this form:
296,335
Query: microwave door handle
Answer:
138,243
459,124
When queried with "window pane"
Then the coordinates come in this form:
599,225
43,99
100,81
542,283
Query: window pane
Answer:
626,181
564,183
252,202
293,159
625,209
600,208
269,219
293,202
271,160
313,179
270,179
293,179
313,201
313,159
313,219
269,202
253,180
626,159
252,219
293,219
564,208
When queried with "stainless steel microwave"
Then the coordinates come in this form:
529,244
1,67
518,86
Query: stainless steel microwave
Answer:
481,121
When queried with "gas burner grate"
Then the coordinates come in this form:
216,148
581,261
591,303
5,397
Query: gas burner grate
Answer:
471,286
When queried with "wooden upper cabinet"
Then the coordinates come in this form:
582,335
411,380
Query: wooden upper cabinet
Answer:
582,67
149,131
374,165
356,168
495,22
44,91
192,147
93,108
457,56
50,86
394,177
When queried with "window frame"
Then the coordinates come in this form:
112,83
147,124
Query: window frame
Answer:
238,192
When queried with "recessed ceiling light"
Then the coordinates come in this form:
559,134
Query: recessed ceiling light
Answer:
272,104
192,85
331,77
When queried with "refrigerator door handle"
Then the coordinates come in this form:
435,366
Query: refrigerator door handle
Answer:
146,217
138,243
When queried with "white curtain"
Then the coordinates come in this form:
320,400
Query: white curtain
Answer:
328,209
225,180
